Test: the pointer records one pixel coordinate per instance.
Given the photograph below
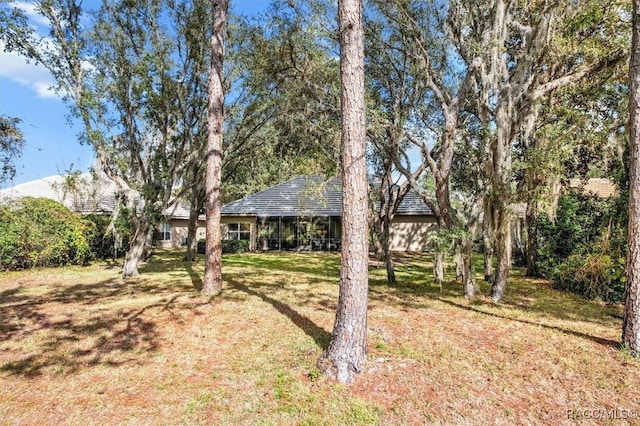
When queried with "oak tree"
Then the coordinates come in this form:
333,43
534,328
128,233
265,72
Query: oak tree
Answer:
122,76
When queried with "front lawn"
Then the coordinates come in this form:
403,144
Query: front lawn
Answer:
80,346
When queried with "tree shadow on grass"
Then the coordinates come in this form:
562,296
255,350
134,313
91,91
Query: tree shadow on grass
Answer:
115,340
195,277
321,336
599,340
55,333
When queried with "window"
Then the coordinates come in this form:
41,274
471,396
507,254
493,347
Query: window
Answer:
238,231
165,232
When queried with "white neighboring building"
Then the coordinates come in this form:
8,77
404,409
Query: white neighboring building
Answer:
98,196
87,197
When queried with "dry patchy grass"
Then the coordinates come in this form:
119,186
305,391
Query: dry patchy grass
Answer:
81,346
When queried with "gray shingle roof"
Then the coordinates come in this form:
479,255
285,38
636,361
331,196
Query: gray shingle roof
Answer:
413,204
307,196
300,196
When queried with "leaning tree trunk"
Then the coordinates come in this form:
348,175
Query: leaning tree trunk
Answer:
148,247
136,249
531,250
438,267
192,226
346,355
468,275
446,218
377,244
192,230
382,243
631,325
212,283
487,241
443,198
386,252
459,261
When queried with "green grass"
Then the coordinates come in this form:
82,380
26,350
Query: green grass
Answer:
87,345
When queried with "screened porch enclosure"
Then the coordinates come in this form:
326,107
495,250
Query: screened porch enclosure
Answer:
299,233
304,213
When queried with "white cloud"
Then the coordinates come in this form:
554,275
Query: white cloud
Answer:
35,77
32,13
27,73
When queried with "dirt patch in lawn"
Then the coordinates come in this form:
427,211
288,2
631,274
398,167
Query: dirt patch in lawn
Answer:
81,346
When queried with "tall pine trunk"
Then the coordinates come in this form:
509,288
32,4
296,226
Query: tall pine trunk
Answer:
137,249
212,283
631,325
346,355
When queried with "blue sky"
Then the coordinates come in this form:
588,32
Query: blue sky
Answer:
52,145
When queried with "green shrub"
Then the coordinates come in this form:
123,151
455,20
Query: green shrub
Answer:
228,246
10,239
103,241
200,248
578,224
583,250
235,246
42,232
594,276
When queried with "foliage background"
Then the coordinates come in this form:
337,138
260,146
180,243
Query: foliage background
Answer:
584,249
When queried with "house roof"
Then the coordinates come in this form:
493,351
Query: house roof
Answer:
413,204
307,196
93,195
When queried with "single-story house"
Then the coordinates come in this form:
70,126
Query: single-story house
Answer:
304,213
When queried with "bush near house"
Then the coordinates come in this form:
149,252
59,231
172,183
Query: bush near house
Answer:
42,232
583,250
228,246
104,242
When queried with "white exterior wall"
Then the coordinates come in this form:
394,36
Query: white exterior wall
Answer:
409,233
179,229
252,220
